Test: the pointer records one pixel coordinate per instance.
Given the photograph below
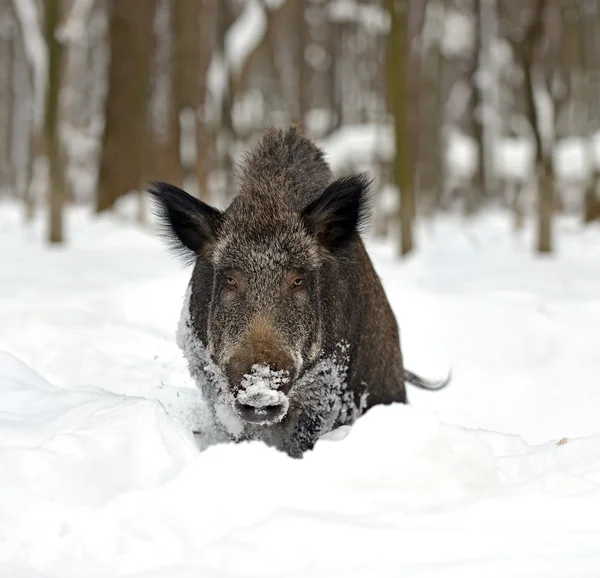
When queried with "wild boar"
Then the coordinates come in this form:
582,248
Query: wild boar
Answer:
286,327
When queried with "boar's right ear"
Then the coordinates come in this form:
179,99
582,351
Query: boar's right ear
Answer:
338,214
189,224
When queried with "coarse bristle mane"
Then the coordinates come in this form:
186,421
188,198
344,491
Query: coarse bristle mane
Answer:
283,162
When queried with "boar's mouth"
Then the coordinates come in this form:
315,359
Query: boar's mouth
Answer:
259,400
267,415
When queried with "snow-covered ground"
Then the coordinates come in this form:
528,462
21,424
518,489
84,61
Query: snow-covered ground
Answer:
498,475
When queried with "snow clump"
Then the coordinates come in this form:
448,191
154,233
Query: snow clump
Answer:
260,388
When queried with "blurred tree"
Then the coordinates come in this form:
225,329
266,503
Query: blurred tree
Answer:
398,56
52,146
167,74
334,89
187,39
29,86
427,134
303,85
590,40
543,157
421,83
226,137
477,193
512,17
180,87
205,131
126,109
84,35
7,57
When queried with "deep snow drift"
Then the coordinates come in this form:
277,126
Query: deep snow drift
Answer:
497,475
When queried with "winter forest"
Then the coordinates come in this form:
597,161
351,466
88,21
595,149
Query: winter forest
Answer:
454,105
479,122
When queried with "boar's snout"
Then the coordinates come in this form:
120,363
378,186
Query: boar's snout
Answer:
262,345
282,370
261,371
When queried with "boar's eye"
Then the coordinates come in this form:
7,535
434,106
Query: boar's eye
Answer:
231,281
297,281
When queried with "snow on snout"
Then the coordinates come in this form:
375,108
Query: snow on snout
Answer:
260,388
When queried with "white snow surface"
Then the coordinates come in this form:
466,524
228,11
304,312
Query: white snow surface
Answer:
497,475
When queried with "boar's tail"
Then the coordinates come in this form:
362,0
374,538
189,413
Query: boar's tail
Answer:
423,383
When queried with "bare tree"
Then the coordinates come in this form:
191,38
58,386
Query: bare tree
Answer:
123,145
205,133
187,58
301,65
56,194
512,18
427,135
415,73
590,39
543,157
479,191
398,56
163,159
7,41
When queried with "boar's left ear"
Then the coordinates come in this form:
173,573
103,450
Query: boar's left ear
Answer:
341,210
189,224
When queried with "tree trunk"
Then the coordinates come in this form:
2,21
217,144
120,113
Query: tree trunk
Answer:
7,56
304,78
543,158
227,135
518,210
333,77
415,19
439,104
163,160
28,194
591,205
490,95
125,132
430,158
186,23
545,209
207,19
479,191
23,84
398,56
590,32
56,196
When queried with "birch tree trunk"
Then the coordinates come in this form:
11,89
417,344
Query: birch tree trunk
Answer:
543,158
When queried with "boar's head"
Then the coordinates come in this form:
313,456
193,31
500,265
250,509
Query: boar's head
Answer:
259,288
